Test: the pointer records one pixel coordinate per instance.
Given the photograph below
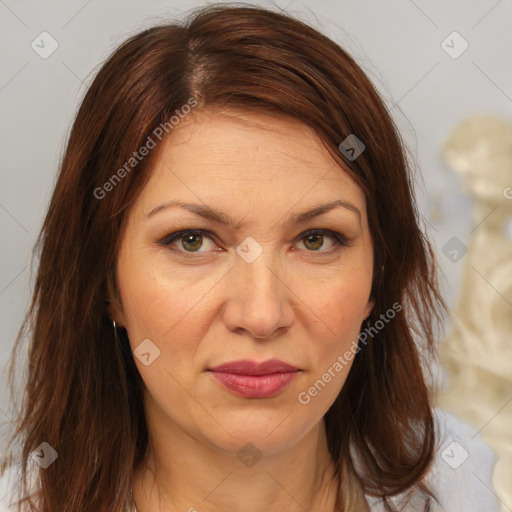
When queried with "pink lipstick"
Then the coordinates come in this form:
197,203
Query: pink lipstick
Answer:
255,380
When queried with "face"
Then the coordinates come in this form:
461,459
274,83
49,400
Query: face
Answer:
269,284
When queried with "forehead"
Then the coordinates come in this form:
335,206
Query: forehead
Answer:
252,155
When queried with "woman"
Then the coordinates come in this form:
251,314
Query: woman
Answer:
233,290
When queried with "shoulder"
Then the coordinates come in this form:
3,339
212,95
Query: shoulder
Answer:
461,474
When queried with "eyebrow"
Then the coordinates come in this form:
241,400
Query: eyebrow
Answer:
221,218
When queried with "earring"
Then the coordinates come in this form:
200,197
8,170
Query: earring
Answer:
118,341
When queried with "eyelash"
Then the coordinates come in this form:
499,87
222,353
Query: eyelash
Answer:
339,240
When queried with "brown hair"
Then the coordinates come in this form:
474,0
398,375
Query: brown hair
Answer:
83,393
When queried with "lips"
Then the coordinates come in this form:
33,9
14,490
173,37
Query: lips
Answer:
248,367
251,379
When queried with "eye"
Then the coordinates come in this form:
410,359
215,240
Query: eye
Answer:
314,240
192,240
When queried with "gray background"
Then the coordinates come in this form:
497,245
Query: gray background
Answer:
398,43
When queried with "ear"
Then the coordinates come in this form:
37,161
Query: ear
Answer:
369,308
116,313
114,305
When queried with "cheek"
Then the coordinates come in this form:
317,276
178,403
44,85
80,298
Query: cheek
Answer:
339,304
155,301
168,308
334,341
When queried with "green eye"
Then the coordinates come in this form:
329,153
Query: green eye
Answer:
315,240
192,240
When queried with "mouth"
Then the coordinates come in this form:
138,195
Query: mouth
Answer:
251,379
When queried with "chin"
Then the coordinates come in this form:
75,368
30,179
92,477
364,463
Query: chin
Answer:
270,432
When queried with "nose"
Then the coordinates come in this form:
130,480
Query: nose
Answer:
259,301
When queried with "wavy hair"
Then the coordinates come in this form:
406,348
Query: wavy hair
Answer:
83,393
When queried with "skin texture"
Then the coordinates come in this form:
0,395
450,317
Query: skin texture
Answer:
295,302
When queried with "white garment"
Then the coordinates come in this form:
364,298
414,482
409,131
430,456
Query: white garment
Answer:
461,476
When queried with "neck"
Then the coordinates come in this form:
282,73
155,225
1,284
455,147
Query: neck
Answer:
185,474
